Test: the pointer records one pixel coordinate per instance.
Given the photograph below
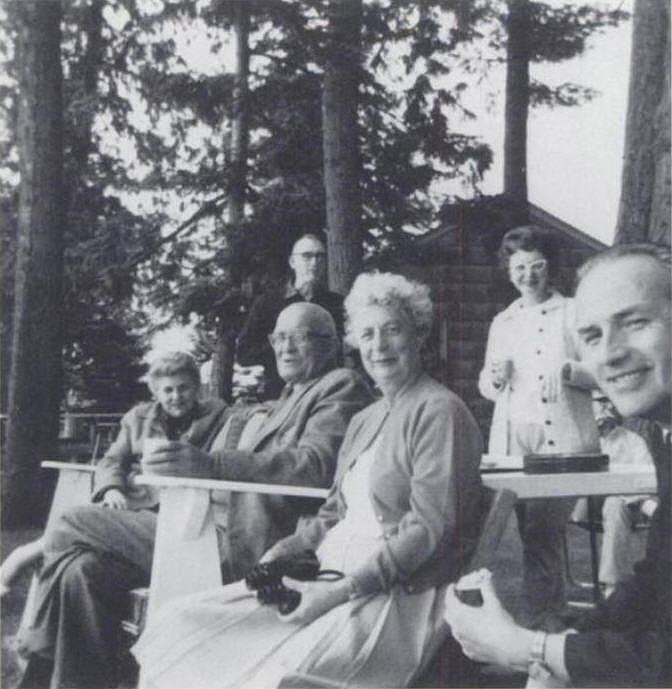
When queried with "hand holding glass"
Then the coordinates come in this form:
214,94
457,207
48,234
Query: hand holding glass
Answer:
501,372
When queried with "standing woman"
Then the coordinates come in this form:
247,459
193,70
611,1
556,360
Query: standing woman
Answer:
542,401
399,522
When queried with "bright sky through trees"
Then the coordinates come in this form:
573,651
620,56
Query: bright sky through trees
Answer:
574,154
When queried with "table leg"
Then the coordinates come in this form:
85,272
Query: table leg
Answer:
593,519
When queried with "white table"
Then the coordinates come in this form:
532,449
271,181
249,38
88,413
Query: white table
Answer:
619,479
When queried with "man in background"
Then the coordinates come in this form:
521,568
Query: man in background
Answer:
308,262
621,514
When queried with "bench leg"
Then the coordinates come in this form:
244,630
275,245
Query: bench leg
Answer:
186,556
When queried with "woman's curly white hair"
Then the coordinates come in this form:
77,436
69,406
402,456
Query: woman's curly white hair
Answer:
389,289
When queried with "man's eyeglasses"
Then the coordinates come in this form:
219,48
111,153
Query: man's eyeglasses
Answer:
296,337
534,267
309,255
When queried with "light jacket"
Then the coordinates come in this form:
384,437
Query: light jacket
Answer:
539,340
121,461
424,488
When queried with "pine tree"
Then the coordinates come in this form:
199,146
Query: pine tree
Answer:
340,141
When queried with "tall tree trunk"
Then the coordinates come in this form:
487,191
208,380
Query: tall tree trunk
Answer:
93,55
340,142
644,209
35,373
517,100
241,110
223,356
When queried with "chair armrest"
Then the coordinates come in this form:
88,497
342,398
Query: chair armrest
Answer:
73,487
186,535
236,486
68,466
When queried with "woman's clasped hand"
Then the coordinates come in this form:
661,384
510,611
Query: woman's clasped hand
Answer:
317,597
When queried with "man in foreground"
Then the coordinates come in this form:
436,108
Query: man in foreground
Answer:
623,310
94,556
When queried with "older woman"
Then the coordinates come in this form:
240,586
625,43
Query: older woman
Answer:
399,521
542,400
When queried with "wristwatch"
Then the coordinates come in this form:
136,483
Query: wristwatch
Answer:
538,668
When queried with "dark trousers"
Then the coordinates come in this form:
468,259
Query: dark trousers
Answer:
93,557
542,524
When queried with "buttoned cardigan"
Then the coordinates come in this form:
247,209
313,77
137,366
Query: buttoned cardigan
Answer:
424,487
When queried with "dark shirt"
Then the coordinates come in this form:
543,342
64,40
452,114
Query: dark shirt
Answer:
627,640
252,347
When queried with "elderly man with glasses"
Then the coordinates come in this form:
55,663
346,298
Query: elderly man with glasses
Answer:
308,262
297,442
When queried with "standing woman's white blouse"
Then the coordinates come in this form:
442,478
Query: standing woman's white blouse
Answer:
539,340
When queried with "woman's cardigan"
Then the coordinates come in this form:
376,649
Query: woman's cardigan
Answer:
424,487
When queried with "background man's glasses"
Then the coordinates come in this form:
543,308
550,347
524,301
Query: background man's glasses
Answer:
297,337
309,255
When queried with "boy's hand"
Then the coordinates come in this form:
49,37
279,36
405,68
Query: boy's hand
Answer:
115,499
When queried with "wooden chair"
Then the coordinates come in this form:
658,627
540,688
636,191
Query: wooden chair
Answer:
185,532
186,553
73,488
497,508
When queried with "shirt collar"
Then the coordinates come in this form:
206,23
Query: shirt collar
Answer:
291,291
516,307
292,389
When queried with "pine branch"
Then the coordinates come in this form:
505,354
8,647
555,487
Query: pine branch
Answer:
210,207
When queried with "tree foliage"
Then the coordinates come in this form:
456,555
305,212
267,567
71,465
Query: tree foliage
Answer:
100,354
409,140
149,105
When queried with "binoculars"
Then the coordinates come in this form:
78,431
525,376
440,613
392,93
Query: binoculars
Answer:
266,579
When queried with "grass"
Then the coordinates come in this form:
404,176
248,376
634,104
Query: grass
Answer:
507,576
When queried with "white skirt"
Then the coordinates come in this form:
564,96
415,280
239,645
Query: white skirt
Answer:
224,638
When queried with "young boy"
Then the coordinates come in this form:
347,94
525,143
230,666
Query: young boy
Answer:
174,414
